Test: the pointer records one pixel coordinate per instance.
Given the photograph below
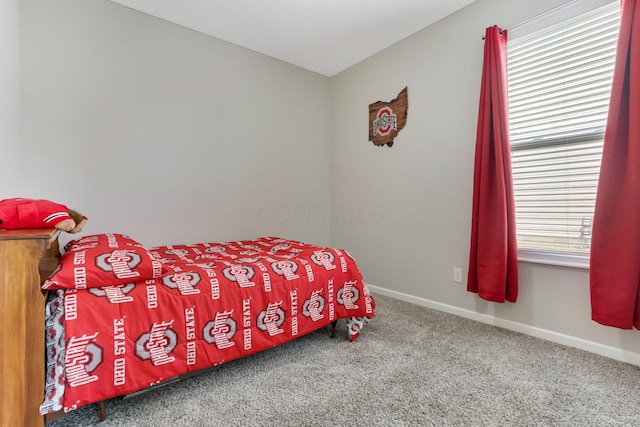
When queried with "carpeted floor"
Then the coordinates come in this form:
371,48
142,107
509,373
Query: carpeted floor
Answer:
412,366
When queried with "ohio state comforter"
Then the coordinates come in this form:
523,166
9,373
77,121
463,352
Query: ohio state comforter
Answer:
199,306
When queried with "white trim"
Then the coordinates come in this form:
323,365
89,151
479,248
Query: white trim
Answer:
582,344
554,258
554,16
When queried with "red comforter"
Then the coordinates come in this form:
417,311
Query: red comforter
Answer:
215,303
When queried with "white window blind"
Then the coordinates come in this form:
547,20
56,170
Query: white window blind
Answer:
559,81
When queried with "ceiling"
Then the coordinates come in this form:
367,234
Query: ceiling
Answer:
325,36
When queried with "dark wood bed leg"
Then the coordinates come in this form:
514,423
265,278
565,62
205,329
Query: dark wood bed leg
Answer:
333,328
49,418
102,411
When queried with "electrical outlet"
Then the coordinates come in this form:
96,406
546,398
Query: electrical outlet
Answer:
457,274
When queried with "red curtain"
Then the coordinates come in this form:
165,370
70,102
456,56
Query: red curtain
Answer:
493,261
615,244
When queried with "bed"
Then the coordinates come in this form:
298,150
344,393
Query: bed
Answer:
121,317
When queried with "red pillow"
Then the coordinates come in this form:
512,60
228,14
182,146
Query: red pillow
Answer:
31,213
103,260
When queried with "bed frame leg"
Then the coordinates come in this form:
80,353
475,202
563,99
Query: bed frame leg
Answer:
102,411
333,328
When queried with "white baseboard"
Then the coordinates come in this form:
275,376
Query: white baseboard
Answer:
590,346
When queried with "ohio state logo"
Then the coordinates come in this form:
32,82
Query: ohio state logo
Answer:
177,252
323,258
215,249
221,330
185,282
120,262
348,295
83,356
280,247
286,268
116,294
314,305
249,253
385,122
157,344
242,274
271,319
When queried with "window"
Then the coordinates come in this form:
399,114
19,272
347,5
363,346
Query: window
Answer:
559,83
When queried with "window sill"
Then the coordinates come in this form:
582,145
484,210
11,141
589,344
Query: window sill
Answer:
554,258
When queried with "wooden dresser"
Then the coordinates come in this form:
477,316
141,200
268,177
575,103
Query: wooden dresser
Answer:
27,257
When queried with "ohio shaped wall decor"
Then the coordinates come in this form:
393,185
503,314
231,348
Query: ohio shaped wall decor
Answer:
387,119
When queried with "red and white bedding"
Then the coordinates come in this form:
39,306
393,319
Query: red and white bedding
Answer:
190,307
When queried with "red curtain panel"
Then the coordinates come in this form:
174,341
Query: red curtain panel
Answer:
615,244
493,261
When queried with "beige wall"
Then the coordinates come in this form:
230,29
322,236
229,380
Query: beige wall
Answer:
414,199
167,134
135,121
9,98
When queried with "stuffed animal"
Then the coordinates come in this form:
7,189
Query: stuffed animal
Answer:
31,213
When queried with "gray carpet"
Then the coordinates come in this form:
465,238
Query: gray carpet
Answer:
412,366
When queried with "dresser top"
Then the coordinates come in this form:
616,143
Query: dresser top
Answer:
29,234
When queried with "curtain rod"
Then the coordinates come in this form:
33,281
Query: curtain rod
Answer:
483,37
554,15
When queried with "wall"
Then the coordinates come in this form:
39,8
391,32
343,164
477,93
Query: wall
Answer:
135,121
405,212
9,98
166,134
